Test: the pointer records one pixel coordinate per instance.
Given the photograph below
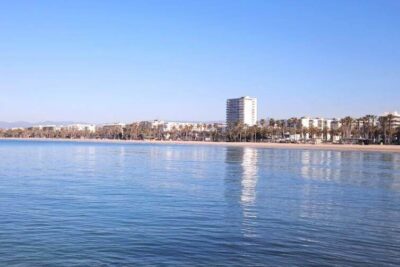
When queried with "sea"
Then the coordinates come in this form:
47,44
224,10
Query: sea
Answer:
107,204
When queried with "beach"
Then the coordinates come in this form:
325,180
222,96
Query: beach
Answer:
336,147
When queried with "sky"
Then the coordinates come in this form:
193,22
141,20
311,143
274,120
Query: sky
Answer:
107,61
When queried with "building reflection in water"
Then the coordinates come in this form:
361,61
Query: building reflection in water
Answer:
345,174
379,170
240,184
249,176
322,165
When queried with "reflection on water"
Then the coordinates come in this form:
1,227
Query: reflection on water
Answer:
241,177
241,172
85,204
249,176
367,169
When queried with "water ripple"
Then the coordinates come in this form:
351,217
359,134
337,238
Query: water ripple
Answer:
86,204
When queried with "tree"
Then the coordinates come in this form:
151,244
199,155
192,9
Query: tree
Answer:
383,128
346,127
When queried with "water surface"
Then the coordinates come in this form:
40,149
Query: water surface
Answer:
88,204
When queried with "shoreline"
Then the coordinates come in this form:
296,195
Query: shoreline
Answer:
335,147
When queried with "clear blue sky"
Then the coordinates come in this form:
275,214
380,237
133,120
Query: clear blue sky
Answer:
103,61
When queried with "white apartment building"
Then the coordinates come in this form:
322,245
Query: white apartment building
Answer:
396,118
173,125
168,126
81,127
319,123
45,127
113,126
157,123
242,110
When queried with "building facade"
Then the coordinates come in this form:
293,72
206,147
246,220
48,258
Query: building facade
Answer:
320,123
241,110
395,118
91,128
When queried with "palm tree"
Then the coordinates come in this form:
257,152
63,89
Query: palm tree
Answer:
347,123
369,124
262,129
272,122
263,122
312,132
333,133
254,130
325,132
398,135
239,130
305,132
383,128
391,131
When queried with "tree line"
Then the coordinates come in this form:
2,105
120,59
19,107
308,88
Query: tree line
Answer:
369,129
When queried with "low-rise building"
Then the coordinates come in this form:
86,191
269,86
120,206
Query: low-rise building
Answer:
110,126
81,127
48,128
171,125
395,118
319,123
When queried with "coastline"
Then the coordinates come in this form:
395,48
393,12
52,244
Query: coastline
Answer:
335,147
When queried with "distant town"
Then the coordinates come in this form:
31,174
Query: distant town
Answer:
241,125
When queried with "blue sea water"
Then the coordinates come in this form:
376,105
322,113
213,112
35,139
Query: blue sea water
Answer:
92,204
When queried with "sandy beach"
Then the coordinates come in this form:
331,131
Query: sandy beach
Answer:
337,147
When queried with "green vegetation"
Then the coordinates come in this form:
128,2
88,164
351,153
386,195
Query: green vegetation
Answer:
367,130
